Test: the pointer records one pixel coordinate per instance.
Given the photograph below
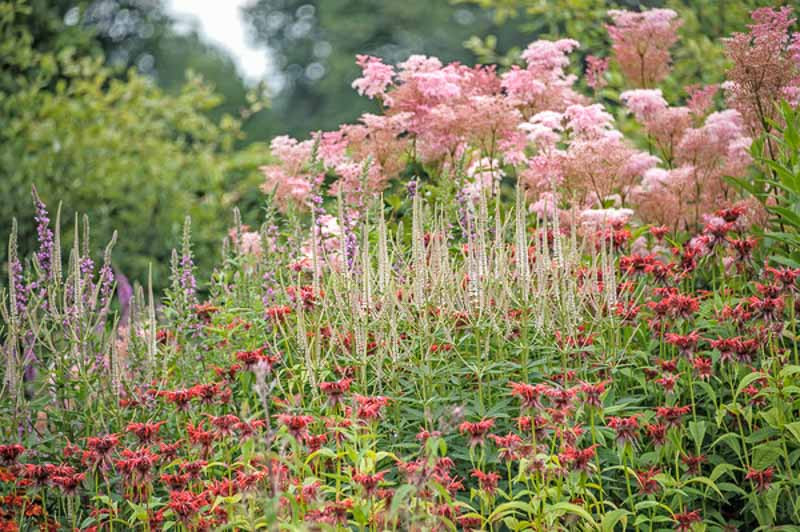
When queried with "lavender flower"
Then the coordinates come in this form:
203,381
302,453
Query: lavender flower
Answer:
124,294
106,284
188,282
45,236
411,187
18,285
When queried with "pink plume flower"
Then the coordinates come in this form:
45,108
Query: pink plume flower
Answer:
766,67
596,68
641,43
644,103
376,77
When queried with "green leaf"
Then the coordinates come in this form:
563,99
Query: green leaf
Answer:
510,508
789,371
749,379
705,481
721,469
567,507
766,454
613,517
794,428
697,429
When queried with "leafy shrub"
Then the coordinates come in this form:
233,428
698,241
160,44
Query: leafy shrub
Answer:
133,158
777,185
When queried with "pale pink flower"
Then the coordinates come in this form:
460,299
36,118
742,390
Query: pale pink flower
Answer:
545,206
641,43
765,66
549,56
701,98
596,68
543,84
644,103
416,64
588,120
484,175
251,244
376,76
605,217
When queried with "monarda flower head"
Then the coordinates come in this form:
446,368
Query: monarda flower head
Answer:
648,485
672,415
370,408
296,425
477,430
487,481
508,446
368,481
761,478
577,459
685,521
9,453
146,432
335,390
530,395
686,343
627,428
593,393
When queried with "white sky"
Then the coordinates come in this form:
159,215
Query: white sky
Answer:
220,21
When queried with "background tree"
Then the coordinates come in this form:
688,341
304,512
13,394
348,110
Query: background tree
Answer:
133,157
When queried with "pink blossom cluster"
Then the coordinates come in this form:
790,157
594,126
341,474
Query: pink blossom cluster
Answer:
580,151
433,113
641,43
766,67
474,125
289,179
698,160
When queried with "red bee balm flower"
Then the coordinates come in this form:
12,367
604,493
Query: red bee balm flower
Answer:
369,408
671,415
577,459
477,431
369,481
297,425
684,521
648,485
335,390
627,428
761,478
10,453
529,395
487,481
146,432
508,445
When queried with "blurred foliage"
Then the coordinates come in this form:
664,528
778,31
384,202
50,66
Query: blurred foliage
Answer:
141,34
178,56
133,157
